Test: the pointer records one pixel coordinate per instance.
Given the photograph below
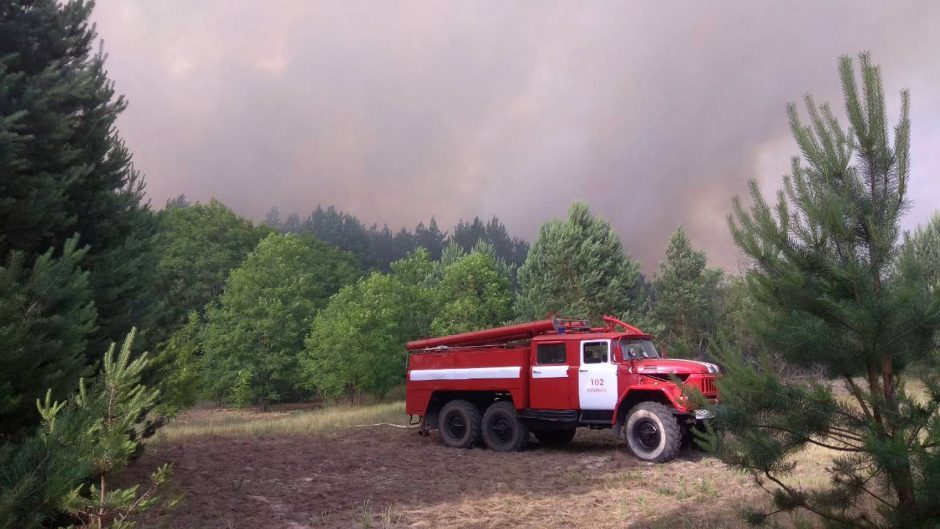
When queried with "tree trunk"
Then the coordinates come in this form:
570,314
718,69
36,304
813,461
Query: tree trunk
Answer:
101,495
902,478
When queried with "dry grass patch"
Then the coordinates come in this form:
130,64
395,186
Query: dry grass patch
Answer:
199,423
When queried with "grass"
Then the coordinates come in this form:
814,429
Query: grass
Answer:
239,423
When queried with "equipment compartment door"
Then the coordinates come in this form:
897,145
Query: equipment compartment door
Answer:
597,376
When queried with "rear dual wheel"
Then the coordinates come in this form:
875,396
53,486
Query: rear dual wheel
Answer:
460,424
502,429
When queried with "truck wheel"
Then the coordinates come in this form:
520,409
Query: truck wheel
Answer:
459,424
653,432
555,437
502,429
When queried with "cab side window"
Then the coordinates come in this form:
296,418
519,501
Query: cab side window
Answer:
550,353
595,353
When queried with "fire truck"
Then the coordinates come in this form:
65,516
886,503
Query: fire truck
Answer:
496,386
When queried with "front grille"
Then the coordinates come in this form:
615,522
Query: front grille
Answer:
708,387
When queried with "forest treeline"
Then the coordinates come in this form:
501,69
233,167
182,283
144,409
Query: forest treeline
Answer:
210,305
272,312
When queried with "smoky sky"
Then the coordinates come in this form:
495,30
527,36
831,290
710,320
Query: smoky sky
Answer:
654,113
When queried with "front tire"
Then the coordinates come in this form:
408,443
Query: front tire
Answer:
652,432
459,424
502,429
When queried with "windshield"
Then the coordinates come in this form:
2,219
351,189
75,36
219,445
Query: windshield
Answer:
639,348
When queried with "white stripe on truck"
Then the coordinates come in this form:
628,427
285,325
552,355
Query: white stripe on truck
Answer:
549,371
464,374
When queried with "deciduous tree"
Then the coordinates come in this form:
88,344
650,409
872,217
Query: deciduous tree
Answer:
197,247
474,292
357,344
255,334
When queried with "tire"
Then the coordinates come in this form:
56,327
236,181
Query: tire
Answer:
459,424
502,429
652,432
555,437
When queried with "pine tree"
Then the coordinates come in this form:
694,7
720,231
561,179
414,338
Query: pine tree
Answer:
577,267
430,238
342,230
272,219
64,168
46,317
468,234
685,291
511,250
925,243
68,465
834,290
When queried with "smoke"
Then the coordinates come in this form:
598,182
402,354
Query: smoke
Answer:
655,114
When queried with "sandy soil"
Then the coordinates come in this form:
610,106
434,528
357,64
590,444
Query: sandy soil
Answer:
389,477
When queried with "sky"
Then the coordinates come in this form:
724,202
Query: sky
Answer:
653,113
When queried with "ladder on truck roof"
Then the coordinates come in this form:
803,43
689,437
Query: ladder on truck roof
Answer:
520,331
498,335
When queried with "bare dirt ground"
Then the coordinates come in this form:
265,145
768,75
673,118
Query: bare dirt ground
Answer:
388,477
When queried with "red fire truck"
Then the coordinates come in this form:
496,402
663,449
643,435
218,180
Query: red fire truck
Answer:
549,377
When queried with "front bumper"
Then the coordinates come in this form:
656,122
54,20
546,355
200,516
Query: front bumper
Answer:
701,415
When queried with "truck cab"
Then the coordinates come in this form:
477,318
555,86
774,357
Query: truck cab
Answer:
550,377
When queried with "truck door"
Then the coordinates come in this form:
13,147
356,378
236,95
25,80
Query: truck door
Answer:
597,376
549,385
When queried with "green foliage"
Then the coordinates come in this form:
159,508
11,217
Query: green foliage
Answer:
177,368
65,169
511,250
342,230
357,344
431,238
36,475
686,293
577,267
93,434
736,314
254,335
378,247
833,289
925,243
46,316
473,293
198,245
